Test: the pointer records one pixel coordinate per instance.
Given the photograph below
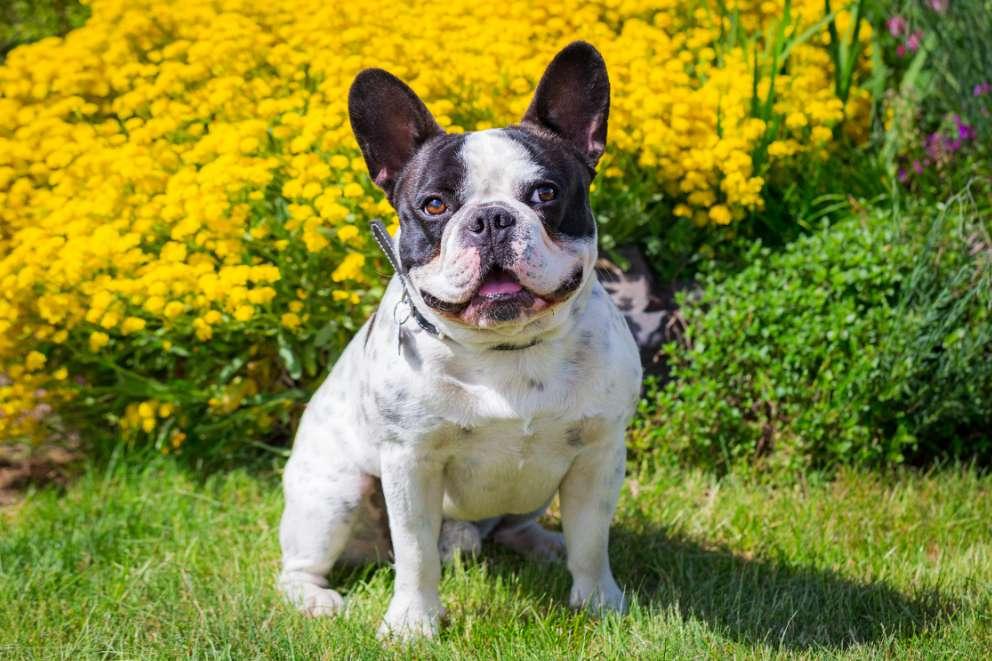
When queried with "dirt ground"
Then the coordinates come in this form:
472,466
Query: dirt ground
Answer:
24,467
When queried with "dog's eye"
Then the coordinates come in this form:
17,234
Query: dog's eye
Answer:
435,206
544,193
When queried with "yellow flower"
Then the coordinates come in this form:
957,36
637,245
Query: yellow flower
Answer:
173,309
34,361
98,340
821,135
796,120
244,312
132,325
176,439
178,158
347,232
353,190
349,268
720,215
290,320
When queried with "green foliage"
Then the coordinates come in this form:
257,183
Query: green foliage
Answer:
959,56
939,105
23,21
866,343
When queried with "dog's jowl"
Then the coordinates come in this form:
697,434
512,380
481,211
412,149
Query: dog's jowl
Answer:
496,372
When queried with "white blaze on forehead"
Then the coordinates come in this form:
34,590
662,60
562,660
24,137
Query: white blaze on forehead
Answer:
496,166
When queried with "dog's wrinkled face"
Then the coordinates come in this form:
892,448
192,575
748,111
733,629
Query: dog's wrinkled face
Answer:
495,225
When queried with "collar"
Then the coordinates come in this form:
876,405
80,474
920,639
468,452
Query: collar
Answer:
385,243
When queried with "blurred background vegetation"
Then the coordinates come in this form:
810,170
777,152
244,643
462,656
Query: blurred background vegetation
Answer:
846,323
24,21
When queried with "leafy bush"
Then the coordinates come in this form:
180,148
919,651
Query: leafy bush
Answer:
183,209
868,343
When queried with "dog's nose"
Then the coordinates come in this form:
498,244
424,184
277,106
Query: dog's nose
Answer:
491,224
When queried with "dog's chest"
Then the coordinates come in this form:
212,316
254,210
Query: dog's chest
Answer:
506,443
507,466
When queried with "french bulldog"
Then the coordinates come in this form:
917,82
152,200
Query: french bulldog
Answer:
496,372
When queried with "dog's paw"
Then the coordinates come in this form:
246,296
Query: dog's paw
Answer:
532,541
599,598
312,600
409,618
458,537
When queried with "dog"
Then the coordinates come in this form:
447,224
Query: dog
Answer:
495,373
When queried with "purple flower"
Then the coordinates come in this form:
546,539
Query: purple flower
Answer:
897,25
965,131
939,6
902,175
917,167
982,89
914,40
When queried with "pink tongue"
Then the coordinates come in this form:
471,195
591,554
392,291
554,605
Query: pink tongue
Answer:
499,286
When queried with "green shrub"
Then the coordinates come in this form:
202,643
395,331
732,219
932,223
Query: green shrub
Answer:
868,343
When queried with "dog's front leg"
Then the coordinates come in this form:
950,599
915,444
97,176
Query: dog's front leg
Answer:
413,490
588,496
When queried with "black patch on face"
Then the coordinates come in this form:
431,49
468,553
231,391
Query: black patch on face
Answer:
435,170
568,286
536,385
500,310
443,306
569,215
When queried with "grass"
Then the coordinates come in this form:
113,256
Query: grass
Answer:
148,561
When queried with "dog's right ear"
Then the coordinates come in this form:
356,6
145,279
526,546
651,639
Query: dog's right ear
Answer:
389,121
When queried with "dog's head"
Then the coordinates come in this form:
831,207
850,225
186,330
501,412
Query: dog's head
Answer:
495,226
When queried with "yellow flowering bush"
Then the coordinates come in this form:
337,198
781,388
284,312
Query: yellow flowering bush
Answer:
183,210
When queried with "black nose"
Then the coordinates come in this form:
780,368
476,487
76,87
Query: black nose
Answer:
491,225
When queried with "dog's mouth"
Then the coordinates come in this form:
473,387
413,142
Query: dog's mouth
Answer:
500,297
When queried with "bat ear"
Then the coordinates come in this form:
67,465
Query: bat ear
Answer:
573,99
390,123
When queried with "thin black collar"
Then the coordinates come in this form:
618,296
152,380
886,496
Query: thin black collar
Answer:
382,238
515,347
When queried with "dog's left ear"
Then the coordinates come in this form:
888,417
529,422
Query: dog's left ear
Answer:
573,99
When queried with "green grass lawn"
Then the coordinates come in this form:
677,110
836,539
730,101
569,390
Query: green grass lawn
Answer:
155,563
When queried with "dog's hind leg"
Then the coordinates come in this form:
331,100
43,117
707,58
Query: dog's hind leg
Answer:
522,533
458,537
323,502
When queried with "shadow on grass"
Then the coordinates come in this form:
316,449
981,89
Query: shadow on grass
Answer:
752,601
767,602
